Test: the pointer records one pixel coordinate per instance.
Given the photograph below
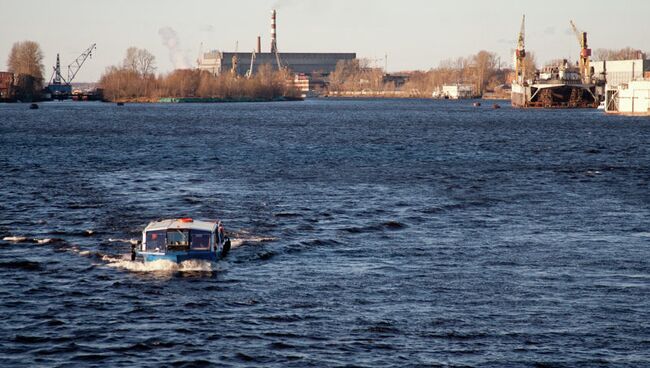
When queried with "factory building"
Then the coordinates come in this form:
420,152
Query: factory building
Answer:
217,62
616,72
310,64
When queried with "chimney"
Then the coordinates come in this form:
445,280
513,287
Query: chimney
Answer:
274,44
259,44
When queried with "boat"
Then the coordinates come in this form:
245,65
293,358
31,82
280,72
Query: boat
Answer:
555,86
179,240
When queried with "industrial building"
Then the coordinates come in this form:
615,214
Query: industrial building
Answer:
217,62
247,63
616,72
6,87
632,98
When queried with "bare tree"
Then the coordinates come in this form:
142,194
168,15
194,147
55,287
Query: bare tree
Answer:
140,61
26,58
625,53
485,64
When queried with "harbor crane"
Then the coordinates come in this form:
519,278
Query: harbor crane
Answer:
60,87
250,71
585,54
520,53
235,60
74,67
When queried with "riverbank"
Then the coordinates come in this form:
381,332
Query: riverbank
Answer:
202,99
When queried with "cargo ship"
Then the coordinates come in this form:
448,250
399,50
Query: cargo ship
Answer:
555,86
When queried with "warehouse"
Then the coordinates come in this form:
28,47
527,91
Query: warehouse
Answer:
616,72
310,64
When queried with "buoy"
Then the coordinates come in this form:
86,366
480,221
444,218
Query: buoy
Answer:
477,104
186,219
496,106
33,106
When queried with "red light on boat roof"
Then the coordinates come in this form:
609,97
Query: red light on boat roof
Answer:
186,219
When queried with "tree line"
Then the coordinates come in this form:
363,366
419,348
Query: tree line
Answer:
482,70
135,80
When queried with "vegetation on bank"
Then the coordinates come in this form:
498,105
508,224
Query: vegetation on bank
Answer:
26,63
135,81
483,70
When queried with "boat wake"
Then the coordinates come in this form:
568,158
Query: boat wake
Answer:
161,266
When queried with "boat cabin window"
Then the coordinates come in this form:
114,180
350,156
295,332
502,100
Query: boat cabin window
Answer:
200,240
156,241
178,238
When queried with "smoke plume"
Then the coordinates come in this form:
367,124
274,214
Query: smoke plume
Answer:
173,44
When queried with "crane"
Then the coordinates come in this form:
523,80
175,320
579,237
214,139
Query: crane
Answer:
62,87
250,71
585,54
74,67
520,53
235,59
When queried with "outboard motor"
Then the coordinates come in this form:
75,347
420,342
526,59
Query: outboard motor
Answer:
133,252
226,248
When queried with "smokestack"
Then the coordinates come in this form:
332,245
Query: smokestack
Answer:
274,44
259,44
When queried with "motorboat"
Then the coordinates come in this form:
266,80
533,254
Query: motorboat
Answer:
179,240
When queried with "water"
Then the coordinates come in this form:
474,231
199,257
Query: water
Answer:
367,233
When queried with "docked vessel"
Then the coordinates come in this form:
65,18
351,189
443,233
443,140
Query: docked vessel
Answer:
556,86
179,240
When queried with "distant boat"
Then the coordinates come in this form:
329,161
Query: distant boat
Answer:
183,239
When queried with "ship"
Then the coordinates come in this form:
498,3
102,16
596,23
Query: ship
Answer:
555,86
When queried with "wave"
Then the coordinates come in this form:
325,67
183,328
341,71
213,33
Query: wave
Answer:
162,266
238,242
25,239
128,241
22,265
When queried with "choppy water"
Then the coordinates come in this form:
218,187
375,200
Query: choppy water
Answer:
368,233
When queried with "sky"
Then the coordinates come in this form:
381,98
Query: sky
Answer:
415,34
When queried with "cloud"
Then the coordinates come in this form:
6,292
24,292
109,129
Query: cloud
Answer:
177,56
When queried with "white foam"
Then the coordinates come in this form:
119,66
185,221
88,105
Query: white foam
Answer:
162,266
236,242
15,239
129,241
43,241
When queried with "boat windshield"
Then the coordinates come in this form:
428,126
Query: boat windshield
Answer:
200,240
156,241
178,238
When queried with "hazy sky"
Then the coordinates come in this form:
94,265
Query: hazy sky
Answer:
416,34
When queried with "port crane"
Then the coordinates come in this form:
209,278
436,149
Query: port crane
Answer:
62,87
249,72
520,54
585,54
235,60
73,68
